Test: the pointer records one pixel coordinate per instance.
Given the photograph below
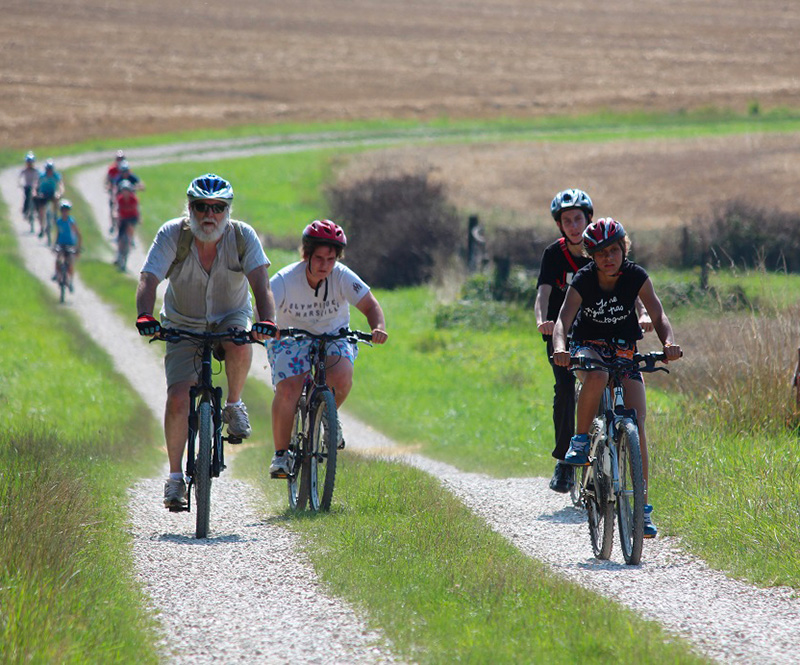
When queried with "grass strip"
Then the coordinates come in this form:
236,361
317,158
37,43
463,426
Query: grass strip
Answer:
445,588
67,456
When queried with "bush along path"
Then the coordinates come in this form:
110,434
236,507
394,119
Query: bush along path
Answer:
725,619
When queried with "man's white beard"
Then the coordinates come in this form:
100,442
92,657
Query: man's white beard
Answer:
201,234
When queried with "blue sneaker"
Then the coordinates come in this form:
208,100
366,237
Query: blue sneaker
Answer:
650,530
578,453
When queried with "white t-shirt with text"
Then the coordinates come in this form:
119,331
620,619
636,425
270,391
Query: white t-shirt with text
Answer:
323,310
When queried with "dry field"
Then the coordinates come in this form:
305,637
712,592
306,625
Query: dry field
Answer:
81,69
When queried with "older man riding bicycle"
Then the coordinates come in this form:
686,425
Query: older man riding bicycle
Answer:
210,260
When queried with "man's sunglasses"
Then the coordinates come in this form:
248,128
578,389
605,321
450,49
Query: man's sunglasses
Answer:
216,208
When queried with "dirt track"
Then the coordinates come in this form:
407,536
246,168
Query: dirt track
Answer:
89,68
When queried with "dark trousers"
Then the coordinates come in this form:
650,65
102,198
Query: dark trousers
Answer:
563,406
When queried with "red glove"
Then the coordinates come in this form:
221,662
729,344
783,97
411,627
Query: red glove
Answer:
147,325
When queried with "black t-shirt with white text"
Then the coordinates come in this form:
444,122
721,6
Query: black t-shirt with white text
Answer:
557,270
612,314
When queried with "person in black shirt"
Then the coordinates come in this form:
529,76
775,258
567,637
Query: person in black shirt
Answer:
572,210
600,310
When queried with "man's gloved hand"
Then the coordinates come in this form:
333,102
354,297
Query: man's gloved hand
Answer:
263,329
147,325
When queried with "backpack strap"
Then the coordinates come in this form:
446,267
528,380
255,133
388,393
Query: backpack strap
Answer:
186,238
570,259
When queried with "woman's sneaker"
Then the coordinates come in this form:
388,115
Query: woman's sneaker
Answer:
650,530
281,466
578,453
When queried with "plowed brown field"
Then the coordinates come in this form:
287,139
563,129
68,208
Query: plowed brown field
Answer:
89,68
80,69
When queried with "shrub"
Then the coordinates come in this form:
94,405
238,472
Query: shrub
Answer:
400,228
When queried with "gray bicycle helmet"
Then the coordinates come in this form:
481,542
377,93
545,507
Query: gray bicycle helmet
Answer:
571,198
210,186
65,204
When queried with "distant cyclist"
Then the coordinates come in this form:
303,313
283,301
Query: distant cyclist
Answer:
28,179
601,301
68,237
49,189
315,294
211,262
112,175
127,204
125,173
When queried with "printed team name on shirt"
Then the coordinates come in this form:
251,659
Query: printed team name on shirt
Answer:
606,311
313,310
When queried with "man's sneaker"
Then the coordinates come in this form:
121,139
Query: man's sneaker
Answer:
563,478
650,530
281,465
235,416
175,494
578,453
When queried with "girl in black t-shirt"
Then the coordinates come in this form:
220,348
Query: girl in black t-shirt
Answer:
601,303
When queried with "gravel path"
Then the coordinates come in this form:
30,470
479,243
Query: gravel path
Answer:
725,619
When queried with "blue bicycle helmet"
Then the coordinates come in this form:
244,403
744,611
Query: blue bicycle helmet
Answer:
571,198
210,186
30,157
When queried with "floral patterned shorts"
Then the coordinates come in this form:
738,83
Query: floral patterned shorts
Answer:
289,357
608,350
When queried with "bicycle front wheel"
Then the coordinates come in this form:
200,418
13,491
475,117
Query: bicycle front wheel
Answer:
323,439
630,501
299,480
202,469
599,509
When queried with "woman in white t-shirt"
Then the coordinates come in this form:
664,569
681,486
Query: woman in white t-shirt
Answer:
315,294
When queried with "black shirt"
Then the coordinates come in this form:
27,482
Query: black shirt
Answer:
608,315
557,270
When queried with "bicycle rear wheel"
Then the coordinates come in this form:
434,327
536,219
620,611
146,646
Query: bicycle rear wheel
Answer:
323,439
630,501
299,480
63,278
202,469
599,509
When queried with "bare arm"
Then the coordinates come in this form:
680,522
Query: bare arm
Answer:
645,323
569,310
661,323
265,303
370,308
146,293
540,309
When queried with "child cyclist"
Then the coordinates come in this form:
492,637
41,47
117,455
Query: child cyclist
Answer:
601,303
68,238
315,294
128,213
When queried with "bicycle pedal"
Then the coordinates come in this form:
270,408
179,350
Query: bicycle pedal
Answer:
278,475
184,509
235,440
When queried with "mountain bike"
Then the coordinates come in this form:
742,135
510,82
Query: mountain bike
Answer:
205,456
614,481
316,432
64,258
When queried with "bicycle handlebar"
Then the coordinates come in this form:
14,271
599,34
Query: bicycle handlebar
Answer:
237,336
643,362
344,333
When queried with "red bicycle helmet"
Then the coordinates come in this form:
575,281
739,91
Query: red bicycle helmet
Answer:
602,233
324,230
